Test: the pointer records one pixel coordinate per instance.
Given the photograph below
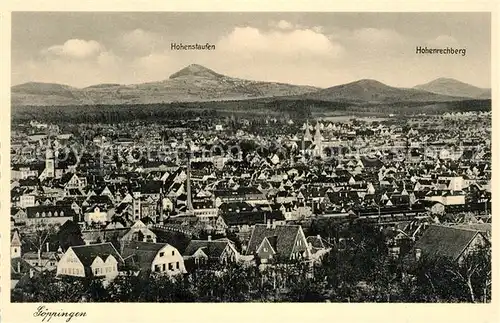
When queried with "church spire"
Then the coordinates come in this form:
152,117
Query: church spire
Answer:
307,134
317,134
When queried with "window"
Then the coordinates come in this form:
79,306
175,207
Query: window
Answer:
265,249
164,267
177,265
15,250
173,253
170,266
162,254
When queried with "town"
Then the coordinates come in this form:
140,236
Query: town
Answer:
268,208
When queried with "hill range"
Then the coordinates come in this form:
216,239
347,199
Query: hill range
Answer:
196,83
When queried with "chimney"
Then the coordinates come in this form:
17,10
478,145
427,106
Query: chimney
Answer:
268,223
18,266
47,246
318,236
209,238
31,272
273,224
188,187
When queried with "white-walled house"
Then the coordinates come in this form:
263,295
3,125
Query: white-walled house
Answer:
96,215
152,257
139,232
97,260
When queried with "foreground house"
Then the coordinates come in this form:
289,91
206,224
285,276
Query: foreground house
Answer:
452,242
46,261
98,260
139,232
278,242
200,252
152,257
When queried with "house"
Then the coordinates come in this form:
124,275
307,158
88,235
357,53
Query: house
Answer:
204,209
283,242
446,197
139,232
449,242
96,215
19,269
49,215
18,215
97,260
153,257
27,199
47,261
73,181
210,251
244,221
249,194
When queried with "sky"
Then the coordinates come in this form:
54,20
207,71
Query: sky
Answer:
319,49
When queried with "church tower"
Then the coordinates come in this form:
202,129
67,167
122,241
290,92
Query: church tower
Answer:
15,246
307,134
49,161
318,141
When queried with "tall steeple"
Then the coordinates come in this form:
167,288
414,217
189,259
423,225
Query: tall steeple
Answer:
317,134
307,134
318,140
49,160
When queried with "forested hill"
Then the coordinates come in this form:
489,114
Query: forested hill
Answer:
293,108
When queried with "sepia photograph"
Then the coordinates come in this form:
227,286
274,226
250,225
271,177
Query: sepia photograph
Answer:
257,157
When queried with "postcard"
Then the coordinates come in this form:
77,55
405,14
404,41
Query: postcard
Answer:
180,164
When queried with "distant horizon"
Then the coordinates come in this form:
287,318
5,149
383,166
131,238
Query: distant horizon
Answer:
232,76
320,49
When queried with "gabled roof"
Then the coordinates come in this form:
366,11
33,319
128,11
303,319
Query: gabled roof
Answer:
15,239
141,253
212,248
285,238
88,253
67,211
445,241
316,242
19,267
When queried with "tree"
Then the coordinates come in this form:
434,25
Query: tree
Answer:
69,234
442,279
45,287
38,237
473,273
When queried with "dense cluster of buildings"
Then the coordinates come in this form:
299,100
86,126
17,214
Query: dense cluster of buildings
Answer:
153,198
